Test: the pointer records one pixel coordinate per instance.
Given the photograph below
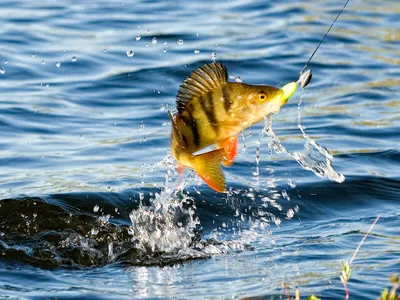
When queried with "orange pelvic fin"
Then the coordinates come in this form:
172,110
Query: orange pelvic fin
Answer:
208,166
230,145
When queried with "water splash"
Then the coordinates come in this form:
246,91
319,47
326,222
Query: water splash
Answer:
315,157
168,226
164,226
169,223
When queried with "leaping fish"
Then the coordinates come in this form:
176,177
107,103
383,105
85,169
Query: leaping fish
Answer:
213,111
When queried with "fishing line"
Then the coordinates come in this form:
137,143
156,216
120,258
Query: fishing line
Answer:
329,29
315,158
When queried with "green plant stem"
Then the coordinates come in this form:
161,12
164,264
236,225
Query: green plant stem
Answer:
363,239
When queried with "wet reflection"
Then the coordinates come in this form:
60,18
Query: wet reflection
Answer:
154,282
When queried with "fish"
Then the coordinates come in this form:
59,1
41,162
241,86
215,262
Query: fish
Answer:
212,111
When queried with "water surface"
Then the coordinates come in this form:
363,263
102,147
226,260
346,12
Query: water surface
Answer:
89,207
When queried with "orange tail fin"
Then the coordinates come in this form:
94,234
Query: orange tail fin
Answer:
230,146
208,166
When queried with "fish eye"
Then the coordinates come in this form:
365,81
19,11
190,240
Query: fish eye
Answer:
262,95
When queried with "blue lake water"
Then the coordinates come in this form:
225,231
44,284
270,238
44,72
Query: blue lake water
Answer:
88,207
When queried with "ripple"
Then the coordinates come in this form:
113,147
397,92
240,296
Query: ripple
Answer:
95,133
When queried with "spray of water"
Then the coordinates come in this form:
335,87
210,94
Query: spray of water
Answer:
169,225
315,157
165,225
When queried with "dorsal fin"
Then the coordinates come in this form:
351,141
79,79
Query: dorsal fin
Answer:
201,81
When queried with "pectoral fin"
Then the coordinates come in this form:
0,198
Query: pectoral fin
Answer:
230,147
208,166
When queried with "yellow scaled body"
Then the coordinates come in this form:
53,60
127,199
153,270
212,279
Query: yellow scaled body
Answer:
213,111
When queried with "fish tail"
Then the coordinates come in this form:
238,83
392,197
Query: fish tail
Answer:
208,166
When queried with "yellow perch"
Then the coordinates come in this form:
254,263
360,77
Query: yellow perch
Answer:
213,111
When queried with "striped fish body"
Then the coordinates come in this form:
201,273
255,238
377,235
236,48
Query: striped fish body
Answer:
212,110
224,112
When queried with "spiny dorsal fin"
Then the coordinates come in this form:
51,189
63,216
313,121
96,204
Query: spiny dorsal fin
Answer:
201,81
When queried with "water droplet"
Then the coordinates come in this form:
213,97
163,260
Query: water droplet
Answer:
141,196
285,195
197,51
43,62
58,64
74,59
138,37
154,40
2,70
6,62
34,55
146,45
96,208
164,50
148,30
291,183
105,50
130,53
236,78
214,55
179,42
290,214
64,50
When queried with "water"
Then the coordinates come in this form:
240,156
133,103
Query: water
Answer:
91,205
